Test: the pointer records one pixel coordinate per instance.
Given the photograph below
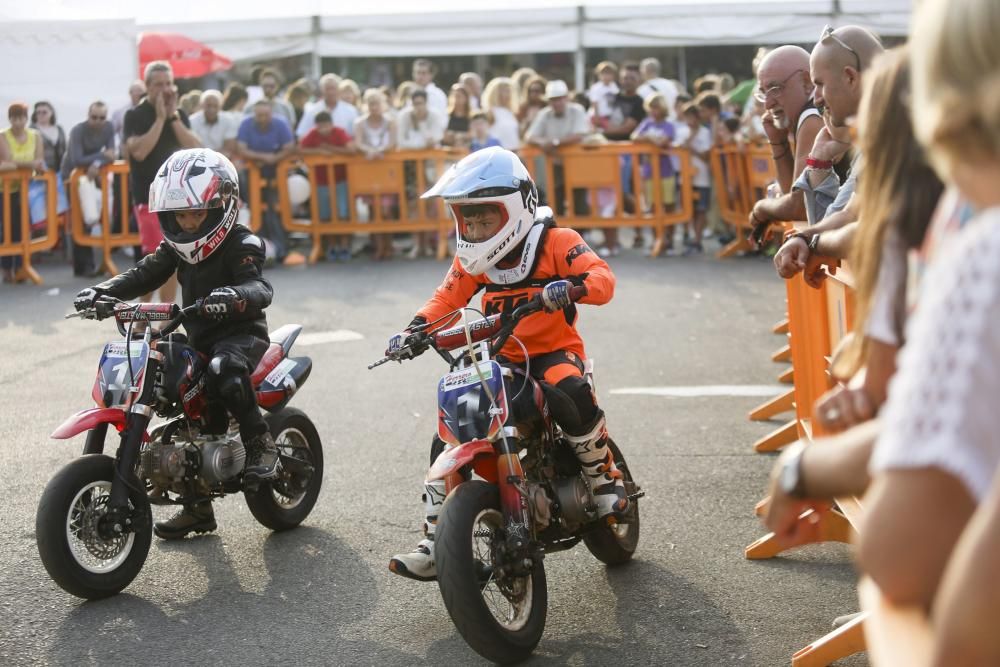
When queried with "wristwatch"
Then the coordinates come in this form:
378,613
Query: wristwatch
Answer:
790,476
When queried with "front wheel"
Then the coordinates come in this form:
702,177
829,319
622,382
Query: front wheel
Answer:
76,547
501,617
285,502
614,545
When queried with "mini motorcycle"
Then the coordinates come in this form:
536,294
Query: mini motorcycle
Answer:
515,490
94,523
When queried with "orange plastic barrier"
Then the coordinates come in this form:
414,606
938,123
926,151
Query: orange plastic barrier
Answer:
27,246
596,172
741,175
108,240
381,184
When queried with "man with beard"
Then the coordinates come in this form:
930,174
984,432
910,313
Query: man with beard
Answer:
791,123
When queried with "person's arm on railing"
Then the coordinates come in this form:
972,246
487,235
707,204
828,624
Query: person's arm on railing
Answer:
836,232
807,476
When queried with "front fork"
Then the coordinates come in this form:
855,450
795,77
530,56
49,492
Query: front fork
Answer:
514,504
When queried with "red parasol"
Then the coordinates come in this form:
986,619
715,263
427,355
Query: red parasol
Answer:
187,57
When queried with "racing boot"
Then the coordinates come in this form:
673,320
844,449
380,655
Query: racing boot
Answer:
262,459
419,563
197,518
598,465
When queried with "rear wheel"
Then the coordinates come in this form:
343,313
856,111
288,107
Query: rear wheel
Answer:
77,548
614,545
501,617
285,502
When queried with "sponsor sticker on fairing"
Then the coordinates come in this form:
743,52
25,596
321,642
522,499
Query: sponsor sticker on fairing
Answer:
465,377
280,372
117,350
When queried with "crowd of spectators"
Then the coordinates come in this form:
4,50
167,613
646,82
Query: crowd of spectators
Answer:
269,119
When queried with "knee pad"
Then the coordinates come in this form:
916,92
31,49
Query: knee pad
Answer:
572,404
230,381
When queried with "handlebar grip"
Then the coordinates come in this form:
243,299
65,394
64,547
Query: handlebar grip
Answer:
577,292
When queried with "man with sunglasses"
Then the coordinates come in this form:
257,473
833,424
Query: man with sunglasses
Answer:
791,123
91,145
836,66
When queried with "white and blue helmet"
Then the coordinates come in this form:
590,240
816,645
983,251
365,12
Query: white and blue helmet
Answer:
489,176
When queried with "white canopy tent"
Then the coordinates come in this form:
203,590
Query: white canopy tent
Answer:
73,62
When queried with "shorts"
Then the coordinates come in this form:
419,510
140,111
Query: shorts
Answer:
668,190
150,233
702,199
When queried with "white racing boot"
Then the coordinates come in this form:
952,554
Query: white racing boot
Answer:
419,563
599,467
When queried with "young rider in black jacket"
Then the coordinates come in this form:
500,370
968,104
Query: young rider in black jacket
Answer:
220,262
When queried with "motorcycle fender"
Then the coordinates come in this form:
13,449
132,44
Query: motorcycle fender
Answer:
453,459
88,419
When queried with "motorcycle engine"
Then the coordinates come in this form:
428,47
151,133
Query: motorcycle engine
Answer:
574,499
212,459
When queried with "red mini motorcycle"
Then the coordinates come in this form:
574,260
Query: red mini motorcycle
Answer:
94,523
516,491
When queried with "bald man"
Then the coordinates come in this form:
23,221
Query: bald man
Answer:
791,123
836,66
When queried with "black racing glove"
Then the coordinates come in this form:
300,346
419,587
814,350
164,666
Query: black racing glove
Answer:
221,303
86,298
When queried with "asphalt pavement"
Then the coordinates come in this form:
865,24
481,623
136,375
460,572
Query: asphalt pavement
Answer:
322,594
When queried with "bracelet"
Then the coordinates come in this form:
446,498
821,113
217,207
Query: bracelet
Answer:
783,155
815,163
812,240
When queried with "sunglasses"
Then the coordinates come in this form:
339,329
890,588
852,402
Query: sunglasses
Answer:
476,210
775,90
828,34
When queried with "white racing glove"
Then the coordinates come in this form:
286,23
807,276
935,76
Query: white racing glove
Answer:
555,296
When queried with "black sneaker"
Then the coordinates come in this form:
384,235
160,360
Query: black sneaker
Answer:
262,459
192,519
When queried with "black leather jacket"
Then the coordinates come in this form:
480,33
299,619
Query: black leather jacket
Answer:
237,263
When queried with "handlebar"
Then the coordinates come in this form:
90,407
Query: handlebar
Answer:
123,312
497,327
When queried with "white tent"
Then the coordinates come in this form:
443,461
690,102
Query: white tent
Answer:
68,63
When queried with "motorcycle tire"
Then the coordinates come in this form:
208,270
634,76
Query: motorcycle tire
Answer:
280,505
614,545
471,507
75,556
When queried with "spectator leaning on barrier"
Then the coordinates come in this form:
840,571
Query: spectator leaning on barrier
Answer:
791,122
43,120
418,127
375,134
654,83
626,114
423,76
20,148
215,129
91,145
658,130
500,100
561,123
154,130
266,139
837,64
343,115
697,138
327,139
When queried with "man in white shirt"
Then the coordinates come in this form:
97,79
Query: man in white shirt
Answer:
423,76
561,123
215,129
343,115
654,83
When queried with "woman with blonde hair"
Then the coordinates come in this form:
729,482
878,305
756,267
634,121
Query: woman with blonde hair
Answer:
532,101
375,134
500,101
938,449
521,77
404,90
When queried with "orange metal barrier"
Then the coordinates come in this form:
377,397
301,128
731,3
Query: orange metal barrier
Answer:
381,184
598,171
27,246
108,239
